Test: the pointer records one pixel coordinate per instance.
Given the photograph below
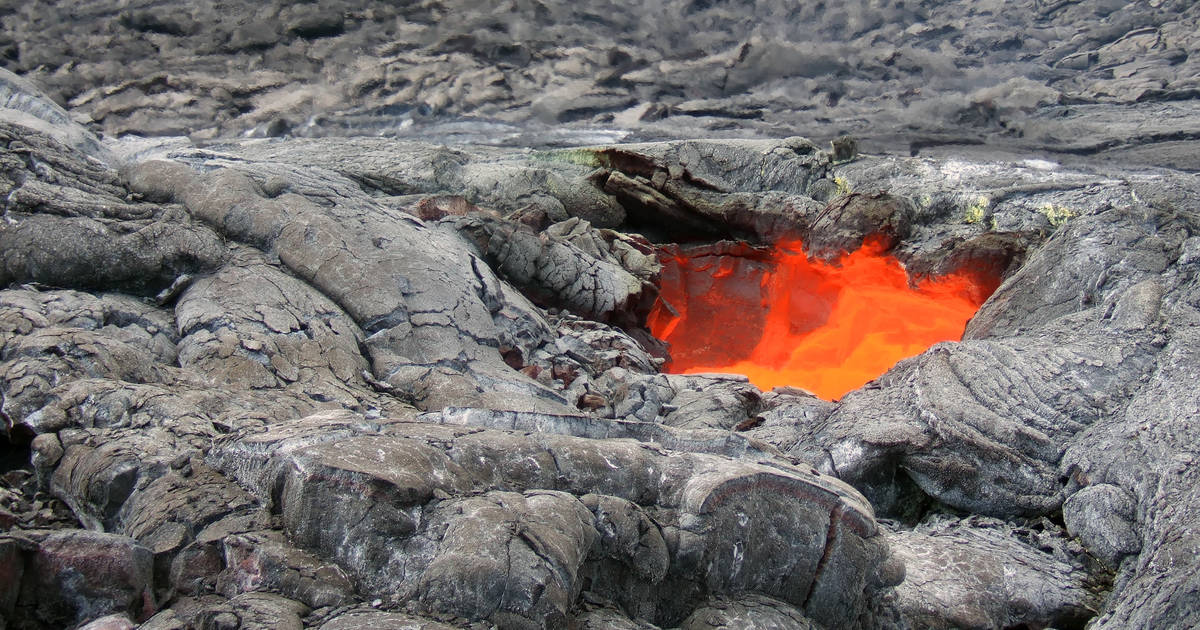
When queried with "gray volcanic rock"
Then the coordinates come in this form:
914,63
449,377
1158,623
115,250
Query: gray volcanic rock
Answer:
981,574
610,618
712,402
557,272
1102,516
74,214
1056,367
110,622
264,561
73,576
253,325
369,619
752,612
22,103
282,399
549,502
1117,80
413,326
279,324
257,611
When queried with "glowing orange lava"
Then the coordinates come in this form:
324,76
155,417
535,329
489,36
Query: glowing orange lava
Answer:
782,319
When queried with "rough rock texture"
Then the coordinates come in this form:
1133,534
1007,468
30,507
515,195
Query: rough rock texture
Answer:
378,620
981,573
1102,516
356,382
1068,359
557,272
753,612
72,576
247,429
510,526
1115,80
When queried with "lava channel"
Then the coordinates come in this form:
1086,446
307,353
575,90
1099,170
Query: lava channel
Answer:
782,319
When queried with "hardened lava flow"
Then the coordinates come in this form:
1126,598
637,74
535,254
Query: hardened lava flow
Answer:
782,319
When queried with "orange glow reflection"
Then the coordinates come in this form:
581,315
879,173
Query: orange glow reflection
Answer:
782,319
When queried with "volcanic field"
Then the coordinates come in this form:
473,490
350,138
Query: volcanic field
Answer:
682,314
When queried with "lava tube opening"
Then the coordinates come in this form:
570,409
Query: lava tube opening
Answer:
782,319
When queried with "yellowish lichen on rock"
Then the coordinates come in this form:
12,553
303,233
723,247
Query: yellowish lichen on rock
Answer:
1056,215
977,209
582,157
843,186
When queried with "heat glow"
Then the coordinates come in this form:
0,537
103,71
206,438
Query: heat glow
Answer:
785,320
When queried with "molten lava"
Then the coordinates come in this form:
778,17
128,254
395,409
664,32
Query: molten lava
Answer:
782,319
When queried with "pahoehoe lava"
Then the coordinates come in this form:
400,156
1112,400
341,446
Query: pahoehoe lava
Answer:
340,315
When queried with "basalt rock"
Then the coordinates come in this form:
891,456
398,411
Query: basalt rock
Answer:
253,325
753,612
608,617
69,224
846,221
258,611
557,272
434,333
110,622
22,103
986,574
511,526
692,190
72,576
1096,78
371,619
1102,516
278,398
1073,351
264,561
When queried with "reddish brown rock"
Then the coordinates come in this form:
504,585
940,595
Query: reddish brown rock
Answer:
77,575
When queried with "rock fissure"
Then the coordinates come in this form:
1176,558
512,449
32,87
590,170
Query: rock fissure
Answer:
830,538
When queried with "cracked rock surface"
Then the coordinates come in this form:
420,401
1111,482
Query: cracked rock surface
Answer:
354,383
1115,81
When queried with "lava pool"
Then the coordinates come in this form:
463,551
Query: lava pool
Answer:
782,319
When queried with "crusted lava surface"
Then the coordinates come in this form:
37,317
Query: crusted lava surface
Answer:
367,381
